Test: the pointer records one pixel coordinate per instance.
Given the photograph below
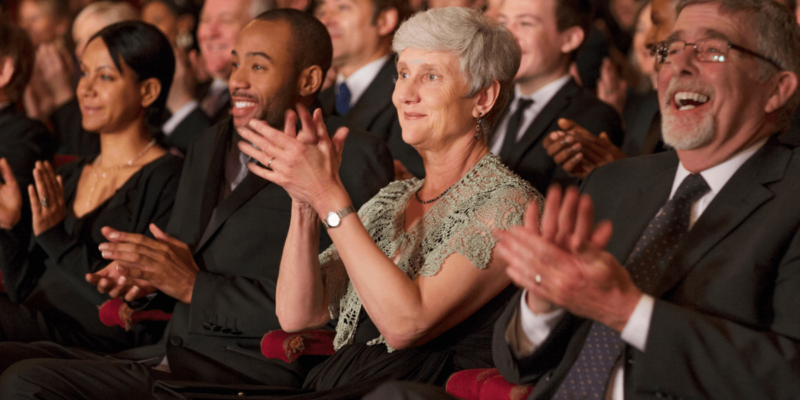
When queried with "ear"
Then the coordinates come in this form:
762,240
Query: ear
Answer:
309,81
150,89
785,88
571,39
485,99
387,21
6,71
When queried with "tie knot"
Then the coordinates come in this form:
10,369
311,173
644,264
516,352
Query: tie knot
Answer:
342,99
524,103
692,188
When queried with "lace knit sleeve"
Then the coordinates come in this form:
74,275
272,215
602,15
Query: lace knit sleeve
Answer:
469,231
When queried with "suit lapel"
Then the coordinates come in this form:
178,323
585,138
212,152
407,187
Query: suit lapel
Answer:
638,210
215,176
745,192
327,101
543,120
250,185
374,100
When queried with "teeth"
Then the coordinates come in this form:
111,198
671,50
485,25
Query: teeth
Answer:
682,99
243,104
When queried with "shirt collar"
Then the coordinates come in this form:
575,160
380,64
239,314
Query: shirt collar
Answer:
717,176
359,81
546,93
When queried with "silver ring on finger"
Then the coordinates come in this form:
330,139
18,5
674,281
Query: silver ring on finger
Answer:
43,201
269,164
538,279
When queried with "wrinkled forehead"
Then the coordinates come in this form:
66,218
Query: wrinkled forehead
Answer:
700,21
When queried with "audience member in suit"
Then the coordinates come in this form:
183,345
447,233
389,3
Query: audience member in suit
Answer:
578,152
25,141
221,257
362,39
714,316
195,108
65,118
129,185
549,32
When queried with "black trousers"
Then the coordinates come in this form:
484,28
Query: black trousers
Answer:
408,391
46,370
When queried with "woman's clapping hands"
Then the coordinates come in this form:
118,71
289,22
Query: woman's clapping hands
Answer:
304,163
47,198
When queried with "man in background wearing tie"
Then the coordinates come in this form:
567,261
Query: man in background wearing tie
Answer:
549,33
362,32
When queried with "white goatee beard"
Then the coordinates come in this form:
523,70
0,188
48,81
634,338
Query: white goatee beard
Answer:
680,139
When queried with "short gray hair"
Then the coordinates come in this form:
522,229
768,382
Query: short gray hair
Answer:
486,50
777,38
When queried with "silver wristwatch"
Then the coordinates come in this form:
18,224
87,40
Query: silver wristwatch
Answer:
335,218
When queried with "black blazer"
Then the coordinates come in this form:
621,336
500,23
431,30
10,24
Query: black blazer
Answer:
187,130
725,322
238,245
529,158
375,112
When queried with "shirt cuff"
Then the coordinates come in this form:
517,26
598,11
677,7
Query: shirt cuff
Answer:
537,326
178,117
638,326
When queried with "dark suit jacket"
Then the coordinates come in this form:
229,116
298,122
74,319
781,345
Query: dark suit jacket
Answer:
529,158
374,112
642,124
725,323
187,130
238,245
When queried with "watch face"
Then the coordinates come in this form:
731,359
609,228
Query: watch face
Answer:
333,219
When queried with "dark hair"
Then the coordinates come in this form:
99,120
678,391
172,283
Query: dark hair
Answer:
147,52
403,10
18,46
311,42
571,13
177,8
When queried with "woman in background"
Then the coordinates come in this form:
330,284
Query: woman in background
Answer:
126,72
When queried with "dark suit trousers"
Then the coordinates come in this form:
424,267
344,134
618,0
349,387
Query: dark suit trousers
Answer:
408,391
89,376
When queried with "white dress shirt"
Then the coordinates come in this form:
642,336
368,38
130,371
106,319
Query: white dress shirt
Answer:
540,99
359,81
538,327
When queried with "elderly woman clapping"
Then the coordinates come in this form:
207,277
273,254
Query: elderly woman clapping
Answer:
414,269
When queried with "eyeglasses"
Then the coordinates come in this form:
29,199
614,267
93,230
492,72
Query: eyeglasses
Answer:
706,50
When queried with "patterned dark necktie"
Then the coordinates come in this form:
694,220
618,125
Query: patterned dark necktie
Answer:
513,128
342,99
646,264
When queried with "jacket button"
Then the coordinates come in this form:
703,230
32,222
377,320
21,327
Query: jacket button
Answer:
216,328
207,326
176,341
240,394
236,332
226,330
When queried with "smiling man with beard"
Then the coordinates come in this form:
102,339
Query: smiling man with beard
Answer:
227,231
694,295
